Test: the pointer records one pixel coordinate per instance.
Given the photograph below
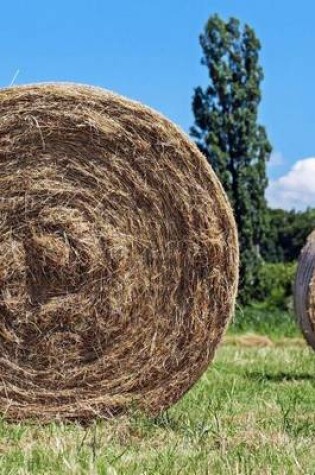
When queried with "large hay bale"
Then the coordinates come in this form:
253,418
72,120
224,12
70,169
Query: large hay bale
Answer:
304,291
118,256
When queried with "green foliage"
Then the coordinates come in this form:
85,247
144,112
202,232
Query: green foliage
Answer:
287,234
276,281
227,132
272,312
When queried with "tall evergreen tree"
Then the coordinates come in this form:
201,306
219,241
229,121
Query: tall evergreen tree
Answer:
228,133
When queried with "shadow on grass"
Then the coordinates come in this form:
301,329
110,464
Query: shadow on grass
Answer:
283,376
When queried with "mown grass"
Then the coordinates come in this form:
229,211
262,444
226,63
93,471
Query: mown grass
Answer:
251,413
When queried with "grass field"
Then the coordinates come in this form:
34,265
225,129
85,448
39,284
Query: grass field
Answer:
251,413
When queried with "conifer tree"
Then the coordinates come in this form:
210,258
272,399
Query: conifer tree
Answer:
227,131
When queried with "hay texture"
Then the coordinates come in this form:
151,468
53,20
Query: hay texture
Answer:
304,291
118,256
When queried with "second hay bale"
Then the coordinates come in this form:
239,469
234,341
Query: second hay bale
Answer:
304,291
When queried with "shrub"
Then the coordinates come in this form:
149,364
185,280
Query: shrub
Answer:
275,285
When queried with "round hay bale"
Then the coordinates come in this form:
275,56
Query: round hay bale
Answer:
118,256
304,291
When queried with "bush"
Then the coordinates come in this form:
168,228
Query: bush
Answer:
275,285
272,311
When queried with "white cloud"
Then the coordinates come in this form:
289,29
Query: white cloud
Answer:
296,189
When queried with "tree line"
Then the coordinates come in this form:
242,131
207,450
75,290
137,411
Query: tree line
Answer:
227,131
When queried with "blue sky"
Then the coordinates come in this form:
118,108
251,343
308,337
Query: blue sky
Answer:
150,51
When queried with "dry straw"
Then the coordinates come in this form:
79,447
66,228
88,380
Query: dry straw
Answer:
118,256
304,291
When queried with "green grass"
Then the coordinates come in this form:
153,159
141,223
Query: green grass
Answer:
251,413
258,318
